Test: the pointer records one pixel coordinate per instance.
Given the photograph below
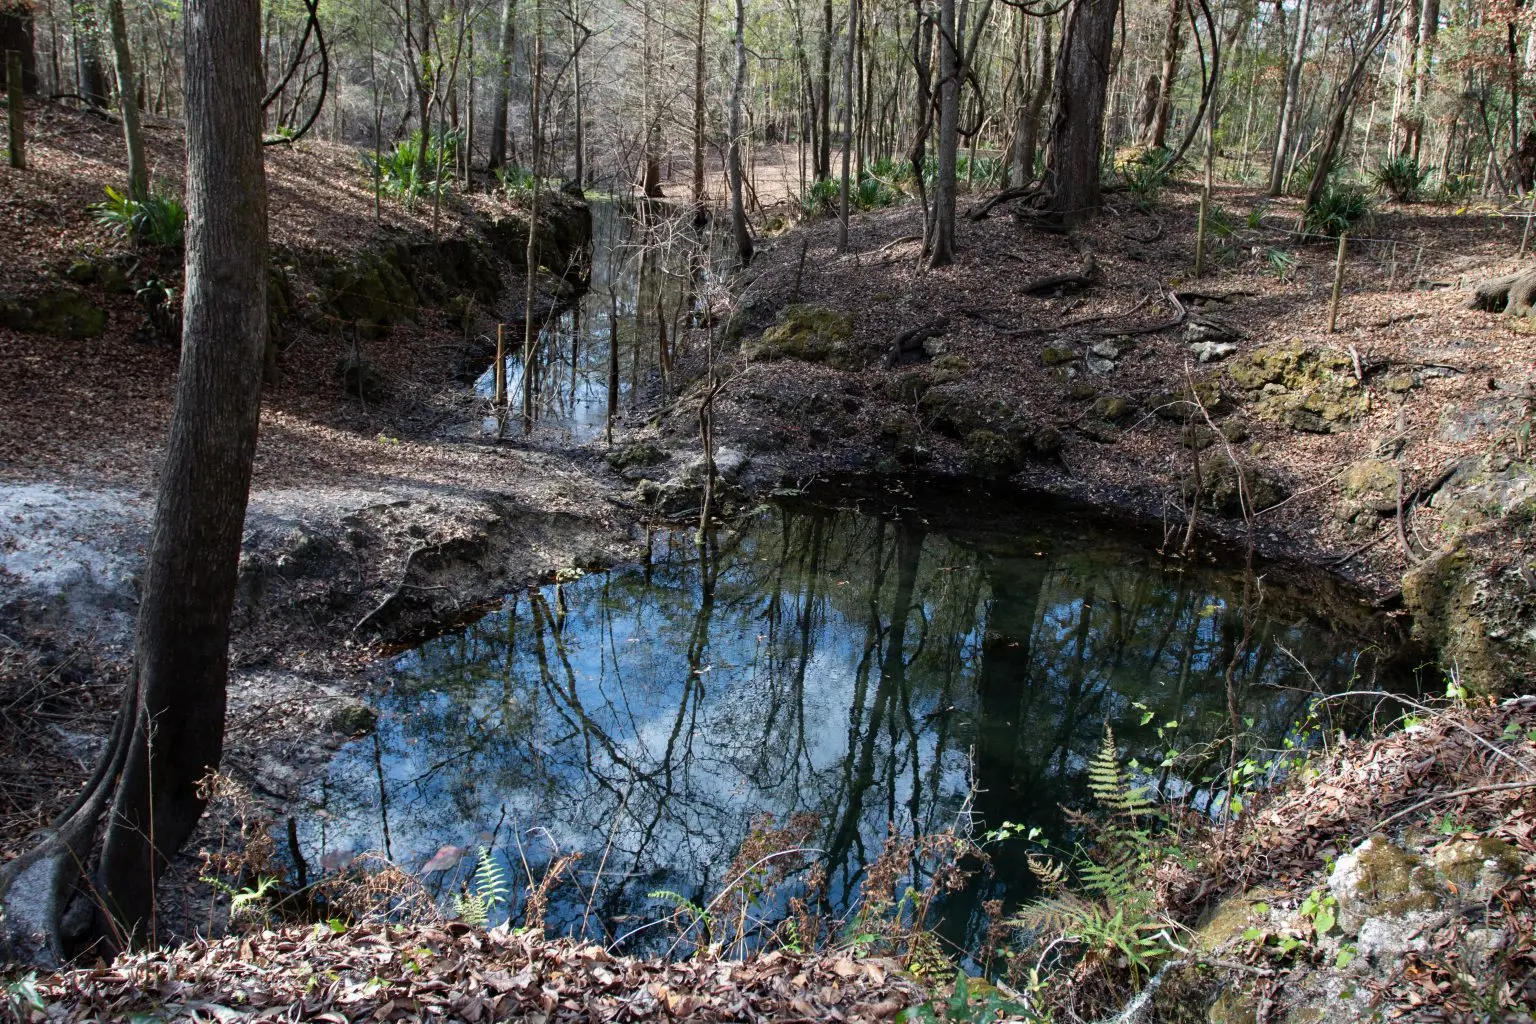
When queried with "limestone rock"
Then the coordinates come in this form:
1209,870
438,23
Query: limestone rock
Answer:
1212,351
1368,476
1057,354
1379,878
1221,492
813,334
1100,366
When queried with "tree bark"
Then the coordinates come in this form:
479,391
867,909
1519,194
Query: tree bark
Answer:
17,33
1290,100
498,157
842,218
175,703
133,134
739,232
1429,28
1173,43
1029,128
1339,118
93,80
1077,128
941,249
823,155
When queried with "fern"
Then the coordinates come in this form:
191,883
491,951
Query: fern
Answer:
1109,786
488,890
680,902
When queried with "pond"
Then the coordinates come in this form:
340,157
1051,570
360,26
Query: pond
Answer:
871,663
651,268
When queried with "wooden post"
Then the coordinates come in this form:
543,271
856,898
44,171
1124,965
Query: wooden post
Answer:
1525,236
501,367
1392,273
1338,283
16,137
1205,194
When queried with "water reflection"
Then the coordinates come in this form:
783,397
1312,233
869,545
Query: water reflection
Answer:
650,267
868,670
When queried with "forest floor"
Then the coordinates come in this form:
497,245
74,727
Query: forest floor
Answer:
358,505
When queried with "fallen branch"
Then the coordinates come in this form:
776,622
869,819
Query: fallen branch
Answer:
1082,277
1223,297
912,340
1070,324
1153,237
1179,317
980,211
1471,791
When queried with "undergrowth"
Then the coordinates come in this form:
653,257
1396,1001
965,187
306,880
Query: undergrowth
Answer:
398,169
158,219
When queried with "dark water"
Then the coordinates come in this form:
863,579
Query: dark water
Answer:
651,270
865,668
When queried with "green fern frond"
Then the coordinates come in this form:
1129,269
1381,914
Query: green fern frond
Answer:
490,881
679,901
1110,787
471,909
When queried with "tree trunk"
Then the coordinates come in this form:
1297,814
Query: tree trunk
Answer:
739,232
1402,99
1077,129
17,33
498,157
1173,43
530,285
1339,118
1290,100
181,663
1029,117
698,109
93,80
424,83
1429,28
823,156
842,219
941,250
133,135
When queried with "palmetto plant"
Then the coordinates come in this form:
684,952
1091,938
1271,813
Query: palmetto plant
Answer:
157,219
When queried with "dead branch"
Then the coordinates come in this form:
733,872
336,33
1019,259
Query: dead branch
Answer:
980,211
1180,315
1082,277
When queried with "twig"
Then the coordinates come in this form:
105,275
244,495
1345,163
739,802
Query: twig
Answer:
1472,791
1179,317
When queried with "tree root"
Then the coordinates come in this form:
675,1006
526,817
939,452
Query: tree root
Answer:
911,341
1514,294
34,928
982,210
1082,277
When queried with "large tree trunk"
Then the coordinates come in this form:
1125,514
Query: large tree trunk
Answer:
1429,28
1029,117
1077,128
133,134
1402,100
941,249
181,662
17,33
842,218
93,79
823,155
1290,100
739,232
498,157
1173,43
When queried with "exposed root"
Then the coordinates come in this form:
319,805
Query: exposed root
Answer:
1514,294
1082,277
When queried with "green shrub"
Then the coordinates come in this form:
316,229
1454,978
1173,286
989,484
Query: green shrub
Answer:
1456,188
1341,208
821,198
516,182
1400,178
158,219
397,171
874,193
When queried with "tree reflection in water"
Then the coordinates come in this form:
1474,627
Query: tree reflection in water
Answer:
864,669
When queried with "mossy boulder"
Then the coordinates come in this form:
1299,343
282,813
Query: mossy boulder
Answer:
1223,487
1368,477
1113,408
1379,878
813,334
1057,354
1474,604
1185,402
60,312
639,455
990,454
1479,867
1310,389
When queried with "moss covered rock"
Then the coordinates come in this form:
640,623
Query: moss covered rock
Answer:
1185,402
813,334
1222,489
62,312
990,454
1368,476
1309,389
1057,354
1381,878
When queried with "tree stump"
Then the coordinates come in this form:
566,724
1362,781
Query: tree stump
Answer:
1514,294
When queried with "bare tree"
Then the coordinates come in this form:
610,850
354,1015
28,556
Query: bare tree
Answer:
133,134
508,42
740,234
